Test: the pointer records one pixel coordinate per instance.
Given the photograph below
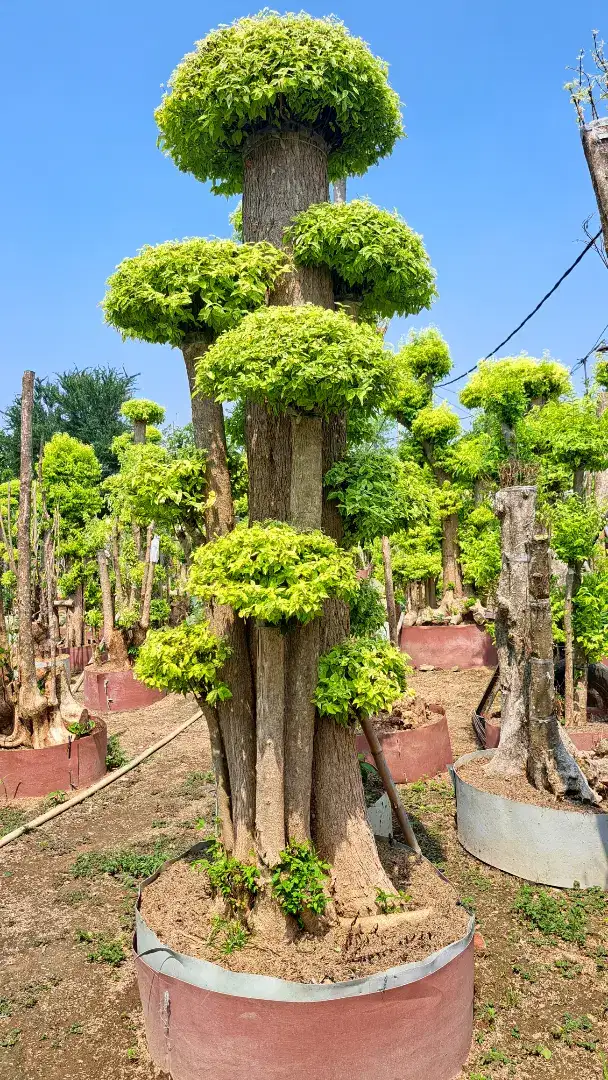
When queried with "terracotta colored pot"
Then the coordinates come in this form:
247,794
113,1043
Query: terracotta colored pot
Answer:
80,656
204,1022
416,752
464,646
34,773
583,739
116,691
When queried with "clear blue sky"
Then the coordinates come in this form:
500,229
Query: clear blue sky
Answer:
492,172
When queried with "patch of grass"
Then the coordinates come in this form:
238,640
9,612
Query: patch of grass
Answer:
541,1051
105,950
568,969
6,1007
128,865
473,878
55,798
488,1012
115,755
524,973
196,783
493,1056
563,917
227,934
133,1053
75,896
75,1029
11,1038
10,819
572,1032
427,796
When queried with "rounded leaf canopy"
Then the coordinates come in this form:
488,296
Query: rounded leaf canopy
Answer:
140,410
165,293
507,388
272,573
372,253
276,71
436,425
306,358
571,433
426,355
71,478
361,676
601,374
184,659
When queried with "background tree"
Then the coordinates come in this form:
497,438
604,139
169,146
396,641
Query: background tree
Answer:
142,413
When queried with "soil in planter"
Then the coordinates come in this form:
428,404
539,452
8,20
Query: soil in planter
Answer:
520,789
180,909
407,713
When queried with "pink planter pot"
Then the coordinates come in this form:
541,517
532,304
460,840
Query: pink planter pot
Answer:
34,773
204,1022
416,752
583,740
116,691
464,646
80,656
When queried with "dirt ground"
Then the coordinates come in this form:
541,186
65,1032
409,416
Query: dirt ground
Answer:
68,999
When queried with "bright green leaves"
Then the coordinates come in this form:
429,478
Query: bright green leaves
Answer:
374,255
571,433
479,548
376,493
436,425
272,573
154,486
361,676
143,411
591,615
426,354
299,880
71,475
184,659
506,389
575,526
268,70
178,288
305,358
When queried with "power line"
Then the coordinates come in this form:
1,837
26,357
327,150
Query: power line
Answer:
528,317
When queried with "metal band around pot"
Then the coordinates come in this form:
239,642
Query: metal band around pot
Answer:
537,843
213,977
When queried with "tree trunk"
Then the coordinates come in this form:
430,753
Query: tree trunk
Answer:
339,187
106,597
516,509
148,581
220,768
594,136
139,431
210,436
569,650
449,555
270,773
77,616
601,478
119,590
32,707
391,609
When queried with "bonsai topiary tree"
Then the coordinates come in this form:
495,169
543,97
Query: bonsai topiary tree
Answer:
309,100
184,293
141,413
30,717
379,266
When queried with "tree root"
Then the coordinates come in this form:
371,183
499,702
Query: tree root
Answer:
19,737
371,924
559,769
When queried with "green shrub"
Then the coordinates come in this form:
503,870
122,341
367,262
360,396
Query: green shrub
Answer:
115,755
143,411
269,70
306,358
299,880
361,676
184,659
272,573
236,881
367,613
374,256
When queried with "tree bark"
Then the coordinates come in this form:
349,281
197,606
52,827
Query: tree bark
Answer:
210,436
391,610
139,431
594,136
119,590
449,555
569,650
77,616
220,768
270,772
148,581
106,597
516,509
32,707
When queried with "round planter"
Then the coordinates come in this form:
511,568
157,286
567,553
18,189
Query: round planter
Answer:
204,1022
116,691
80,656
464,646
415,752
538,843
34,773
583,738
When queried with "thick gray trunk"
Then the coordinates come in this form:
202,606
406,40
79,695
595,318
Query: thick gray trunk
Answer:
595,145
270,717
210,436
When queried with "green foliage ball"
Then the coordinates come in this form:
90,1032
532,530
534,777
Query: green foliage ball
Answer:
143,411
276,71
361,676
167,292
590,619
479,548
306,358
151,485
571,433
506,389
426,354
575,526
270,572
376,493
71,475
367,612
374,256
184,659
437,425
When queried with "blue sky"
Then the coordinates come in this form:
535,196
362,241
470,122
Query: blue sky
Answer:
492,172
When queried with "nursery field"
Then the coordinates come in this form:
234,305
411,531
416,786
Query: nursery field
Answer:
69,1006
